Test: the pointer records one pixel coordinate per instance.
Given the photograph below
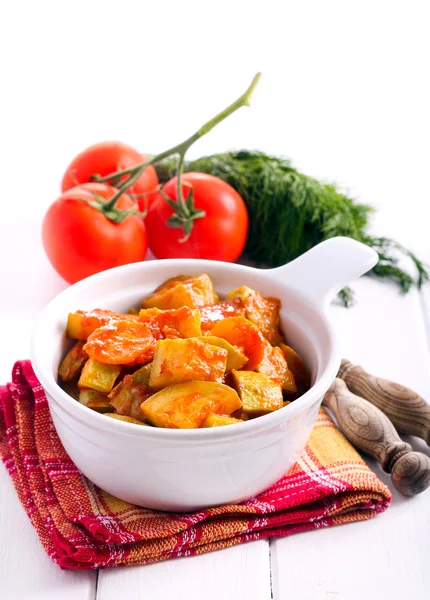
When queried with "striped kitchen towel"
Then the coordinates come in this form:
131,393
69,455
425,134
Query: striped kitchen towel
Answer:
82,527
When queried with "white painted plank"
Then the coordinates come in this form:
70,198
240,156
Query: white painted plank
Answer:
381,558
384,333
238,573
26,572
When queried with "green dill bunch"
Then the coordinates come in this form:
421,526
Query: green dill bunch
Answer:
290,212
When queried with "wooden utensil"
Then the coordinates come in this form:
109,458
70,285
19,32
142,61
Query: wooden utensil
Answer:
369,430
408,412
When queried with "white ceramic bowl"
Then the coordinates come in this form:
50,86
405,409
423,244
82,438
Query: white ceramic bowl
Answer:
183,470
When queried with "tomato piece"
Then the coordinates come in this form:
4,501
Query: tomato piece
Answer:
220,235
121,343
80,240
227,308
105,158
244,334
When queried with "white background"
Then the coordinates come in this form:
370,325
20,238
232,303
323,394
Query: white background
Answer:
345,94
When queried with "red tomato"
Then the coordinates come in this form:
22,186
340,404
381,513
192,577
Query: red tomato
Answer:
220,235
107,157
80,240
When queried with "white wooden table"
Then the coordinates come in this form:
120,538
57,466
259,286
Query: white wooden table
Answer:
345,94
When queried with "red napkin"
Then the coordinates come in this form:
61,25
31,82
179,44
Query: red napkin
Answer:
82,527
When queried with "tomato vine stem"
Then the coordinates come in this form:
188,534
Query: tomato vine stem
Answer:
184,213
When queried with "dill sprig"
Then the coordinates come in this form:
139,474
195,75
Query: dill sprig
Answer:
291,212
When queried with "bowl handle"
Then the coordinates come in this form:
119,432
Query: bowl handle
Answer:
324,270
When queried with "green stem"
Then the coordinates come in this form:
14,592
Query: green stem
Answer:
100,179
244,100
179,194
180,149
136,172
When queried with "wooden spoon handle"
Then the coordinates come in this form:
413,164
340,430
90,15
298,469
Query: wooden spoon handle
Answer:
408,412
369,430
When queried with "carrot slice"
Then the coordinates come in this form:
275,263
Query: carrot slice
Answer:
121,343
